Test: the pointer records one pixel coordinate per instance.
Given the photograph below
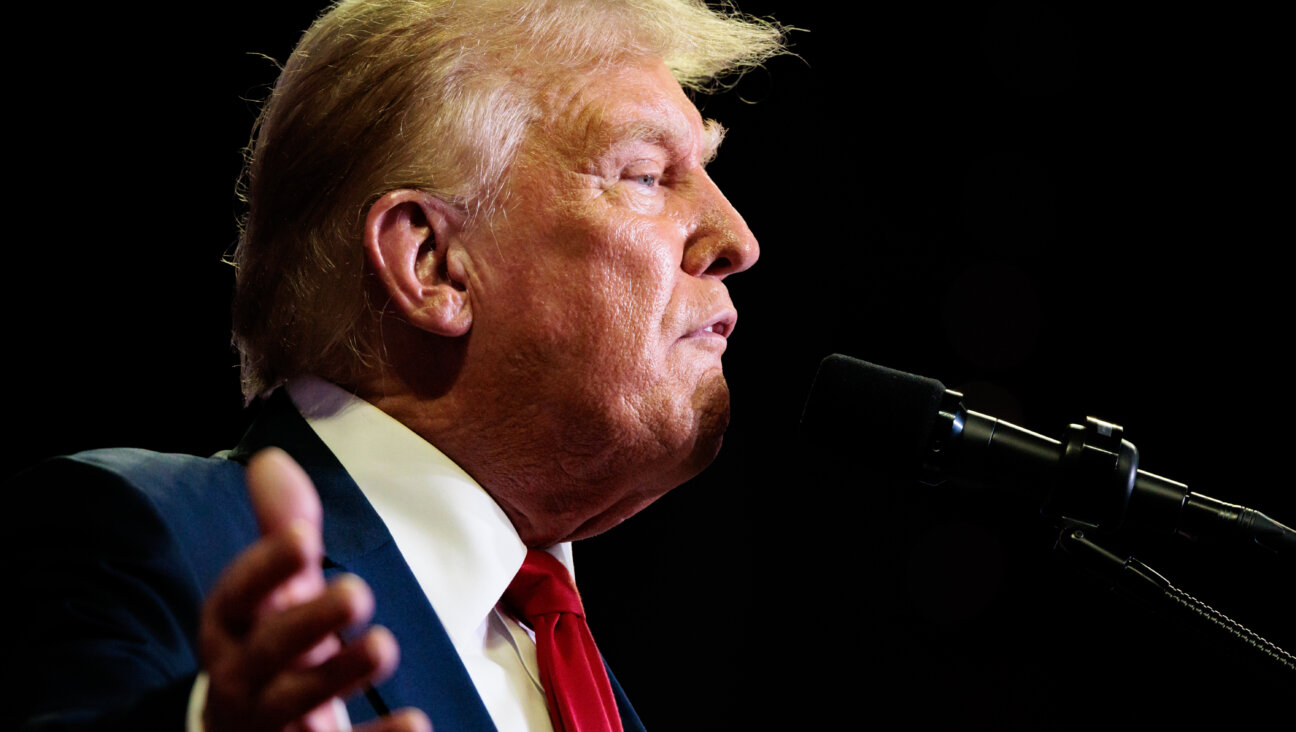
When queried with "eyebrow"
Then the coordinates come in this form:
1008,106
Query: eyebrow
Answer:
713,134
664,134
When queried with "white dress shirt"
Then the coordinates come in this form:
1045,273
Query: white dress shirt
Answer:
459,544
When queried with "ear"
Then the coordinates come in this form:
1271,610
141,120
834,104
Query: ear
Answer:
409,237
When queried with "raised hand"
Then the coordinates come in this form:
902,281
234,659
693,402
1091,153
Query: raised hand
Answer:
268,637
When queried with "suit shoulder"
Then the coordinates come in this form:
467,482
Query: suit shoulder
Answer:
123,497
169,481
117,550
153,471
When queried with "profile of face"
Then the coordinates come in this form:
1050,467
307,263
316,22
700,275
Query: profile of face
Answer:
598,290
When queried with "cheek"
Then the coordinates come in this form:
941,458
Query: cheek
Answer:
632,278
600,305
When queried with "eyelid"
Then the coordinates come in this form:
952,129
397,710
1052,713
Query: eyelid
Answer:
649,165
644,168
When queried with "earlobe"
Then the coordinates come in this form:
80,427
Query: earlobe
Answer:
410,240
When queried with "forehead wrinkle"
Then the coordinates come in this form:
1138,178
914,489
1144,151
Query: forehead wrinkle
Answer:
662,126
604,124
656,121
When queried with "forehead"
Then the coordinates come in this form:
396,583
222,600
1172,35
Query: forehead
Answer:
586,114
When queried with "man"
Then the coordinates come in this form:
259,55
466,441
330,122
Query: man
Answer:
481,288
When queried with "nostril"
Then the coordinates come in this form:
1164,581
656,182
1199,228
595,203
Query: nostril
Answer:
721,264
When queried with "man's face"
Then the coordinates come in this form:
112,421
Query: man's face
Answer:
598,289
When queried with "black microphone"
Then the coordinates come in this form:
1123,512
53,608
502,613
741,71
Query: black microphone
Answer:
903,426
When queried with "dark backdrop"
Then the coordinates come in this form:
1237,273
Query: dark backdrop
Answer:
1061,209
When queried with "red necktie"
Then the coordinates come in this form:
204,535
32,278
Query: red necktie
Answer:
576,685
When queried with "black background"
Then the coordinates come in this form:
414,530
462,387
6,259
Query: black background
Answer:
1061,209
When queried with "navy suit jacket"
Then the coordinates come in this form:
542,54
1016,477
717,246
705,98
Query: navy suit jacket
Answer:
122,546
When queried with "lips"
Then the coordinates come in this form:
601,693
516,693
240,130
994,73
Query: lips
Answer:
719,324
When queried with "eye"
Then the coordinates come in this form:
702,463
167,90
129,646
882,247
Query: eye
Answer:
648,180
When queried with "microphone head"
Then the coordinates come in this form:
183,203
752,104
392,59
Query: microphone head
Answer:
876,417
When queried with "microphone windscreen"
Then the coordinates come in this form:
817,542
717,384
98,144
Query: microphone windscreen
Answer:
879,418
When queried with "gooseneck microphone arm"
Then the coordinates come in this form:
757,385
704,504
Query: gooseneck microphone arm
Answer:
1092,478
901,424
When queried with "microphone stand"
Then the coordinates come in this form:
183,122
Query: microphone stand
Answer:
1092,482
1146,585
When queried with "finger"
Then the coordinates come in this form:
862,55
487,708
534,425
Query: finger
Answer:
402,720
281,492
283,496
259,571
368,660
282,640
327,717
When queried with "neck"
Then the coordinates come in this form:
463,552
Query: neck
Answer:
496,445
554,482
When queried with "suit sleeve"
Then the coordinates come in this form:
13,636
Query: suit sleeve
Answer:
106,605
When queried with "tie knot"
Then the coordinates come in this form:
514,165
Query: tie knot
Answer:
542,586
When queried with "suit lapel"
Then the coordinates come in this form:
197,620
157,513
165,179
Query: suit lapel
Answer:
430,675
629,718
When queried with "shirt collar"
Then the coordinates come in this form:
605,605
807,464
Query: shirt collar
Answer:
459,544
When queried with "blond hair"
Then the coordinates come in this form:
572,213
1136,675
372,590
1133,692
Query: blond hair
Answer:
425,94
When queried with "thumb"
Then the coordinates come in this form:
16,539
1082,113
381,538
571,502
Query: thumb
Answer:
284,500
282,494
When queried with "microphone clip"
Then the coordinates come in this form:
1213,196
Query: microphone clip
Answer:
1096,475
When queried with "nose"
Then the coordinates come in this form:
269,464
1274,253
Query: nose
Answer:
720,243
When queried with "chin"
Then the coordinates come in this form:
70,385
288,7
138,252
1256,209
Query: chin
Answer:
711,419
679,453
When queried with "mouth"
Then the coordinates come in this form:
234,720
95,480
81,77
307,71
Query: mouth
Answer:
719,325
